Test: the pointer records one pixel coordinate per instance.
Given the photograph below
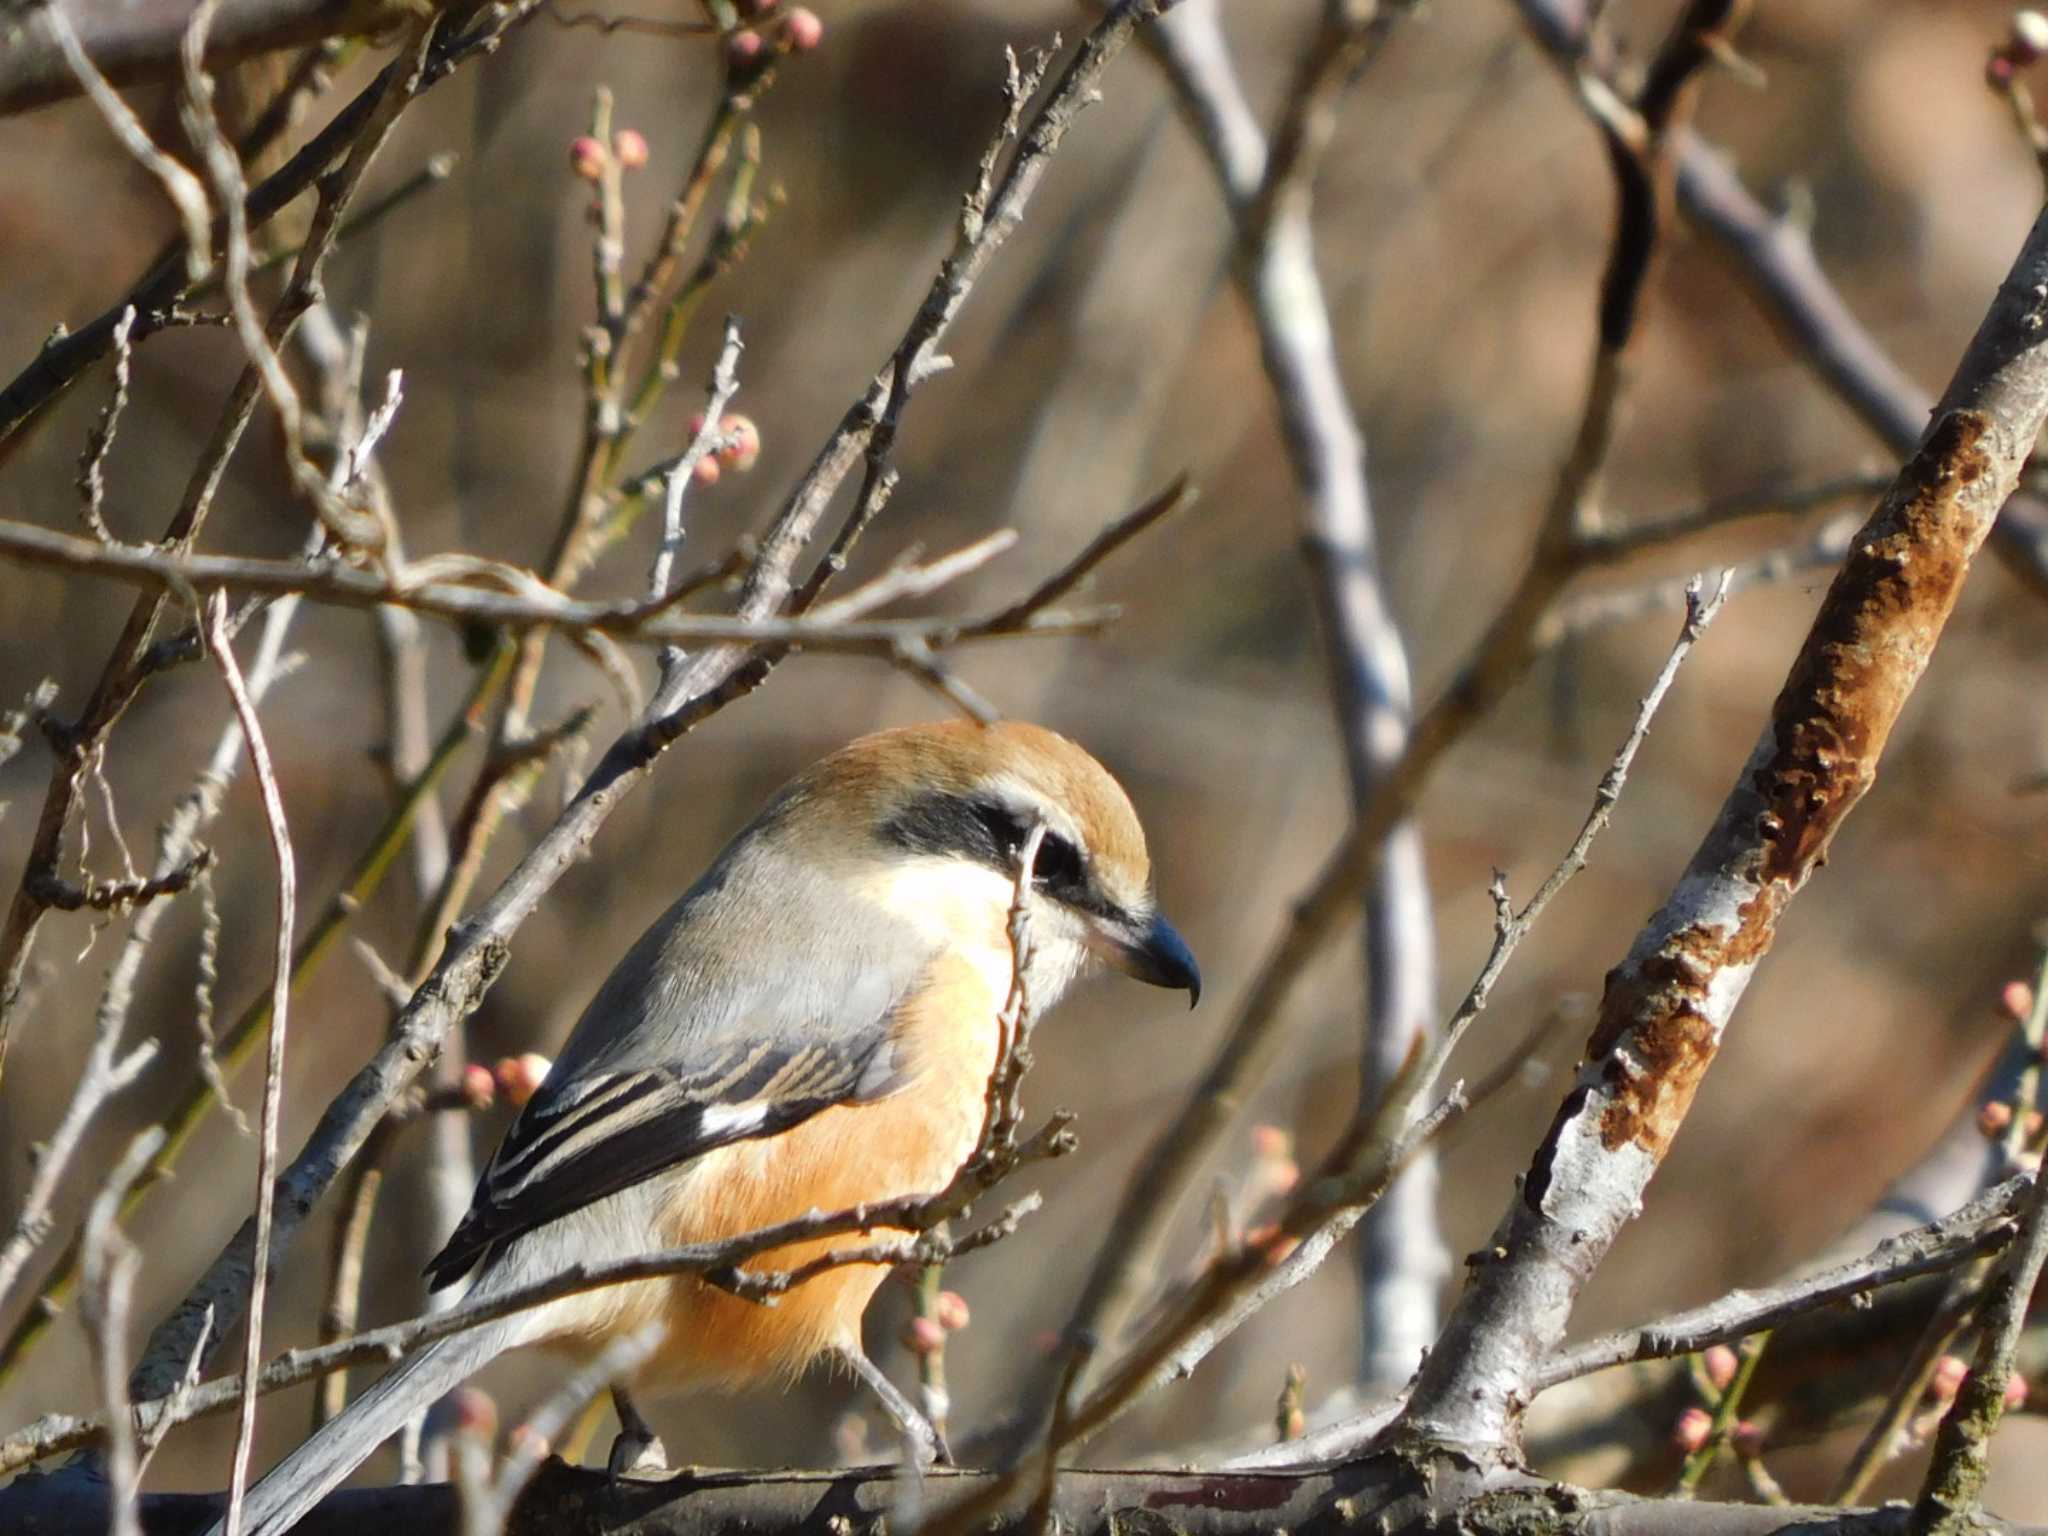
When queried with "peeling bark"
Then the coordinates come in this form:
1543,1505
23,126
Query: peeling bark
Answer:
1666,1006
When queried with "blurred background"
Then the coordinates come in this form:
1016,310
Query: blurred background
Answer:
1462,214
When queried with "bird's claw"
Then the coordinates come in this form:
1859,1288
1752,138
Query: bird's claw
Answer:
637,1455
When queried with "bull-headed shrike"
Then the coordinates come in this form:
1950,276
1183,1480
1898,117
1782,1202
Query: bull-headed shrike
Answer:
811,1027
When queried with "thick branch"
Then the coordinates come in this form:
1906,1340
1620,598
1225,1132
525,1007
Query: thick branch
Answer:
1397,1499
1667,1004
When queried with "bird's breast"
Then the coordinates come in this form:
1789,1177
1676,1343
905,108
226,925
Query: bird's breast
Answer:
909,1143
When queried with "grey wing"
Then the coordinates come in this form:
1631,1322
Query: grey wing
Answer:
690,1046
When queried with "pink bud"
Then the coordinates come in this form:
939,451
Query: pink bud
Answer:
706,470
802,29
1949,1375
1994,1118
742,445
479,1088
950,1309
520,1077
525,1440
631,148
924,1336
1748,1439
1998,70
587,158
2015,1392
1280,1174
743,48
2016,1001
1692,1429
1721,1364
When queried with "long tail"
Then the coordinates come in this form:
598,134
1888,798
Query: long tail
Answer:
277,1502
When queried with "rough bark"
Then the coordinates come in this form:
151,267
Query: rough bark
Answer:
1668,1003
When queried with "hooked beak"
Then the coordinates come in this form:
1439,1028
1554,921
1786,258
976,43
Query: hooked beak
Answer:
1152,951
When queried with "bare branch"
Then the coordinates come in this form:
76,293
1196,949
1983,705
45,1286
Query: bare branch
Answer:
1668,1003
111,1261
710,679
273,1070
1983,1226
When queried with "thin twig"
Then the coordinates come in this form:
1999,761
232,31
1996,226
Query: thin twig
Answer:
187,195
368,125
711,679
1961,1460
517,599
1985,1225
724,385
718,1263
1510,926
92,470
1726,1409
273,1071
193,812
111,1261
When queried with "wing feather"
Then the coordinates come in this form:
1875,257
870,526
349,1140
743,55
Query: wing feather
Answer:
708,1032
609,1131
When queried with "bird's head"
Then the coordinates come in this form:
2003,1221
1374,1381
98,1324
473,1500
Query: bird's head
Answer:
936,818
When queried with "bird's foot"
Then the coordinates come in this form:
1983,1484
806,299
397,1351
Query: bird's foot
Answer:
638,1451
638,1454
922,1439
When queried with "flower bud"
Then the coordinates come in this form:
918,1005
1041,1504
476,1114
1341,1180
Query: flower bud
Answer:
706,470
2015,1392
630,145
1748,1439
742,443
1721,1365
1271,1141
479,1087
924,1336
587,158
802,30
1950,1372
950,1309
743,48
520,1077
1692,1429
2016,1001
1995,1118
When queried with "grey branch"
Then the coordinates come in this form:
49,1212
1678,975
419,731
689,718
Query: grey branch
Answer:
1983,1226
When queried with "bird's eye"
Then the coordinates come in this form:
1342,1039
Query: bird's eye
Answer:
1059,862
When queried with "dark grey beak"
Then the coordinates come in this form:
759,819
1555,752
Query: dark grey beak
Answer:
1153,952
